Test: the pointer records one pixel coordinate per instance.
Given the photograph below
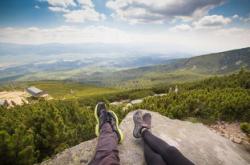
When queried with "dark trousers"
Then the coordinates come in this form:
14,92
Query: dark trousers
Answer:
158,152
106,150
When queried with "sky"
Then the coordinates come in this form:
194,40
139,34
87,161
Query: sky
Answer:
189,25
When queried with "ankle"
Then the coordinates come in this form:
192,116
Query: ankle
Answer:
144,129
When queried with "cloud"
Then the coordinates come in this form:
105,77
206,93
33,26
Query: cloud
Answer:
236,16
181,27
212,21
206,22
37,7
82,15
88,3
58,9
151,11
62,3
76,11
242,19
246,20
63,34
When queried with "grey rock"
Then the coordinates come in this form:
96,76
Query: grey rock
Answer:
237,140
194,140
116,103
161,94
138,101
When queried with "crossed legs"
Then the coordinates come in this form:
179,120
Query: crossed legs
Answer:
156,151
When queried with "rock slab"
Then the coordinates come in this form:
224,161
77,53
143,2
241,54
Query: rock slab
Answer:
195,141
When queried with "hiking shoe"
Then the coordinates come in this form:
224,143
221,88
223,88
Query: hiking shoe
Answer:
141,122
113,120
101,116
147,120
137,117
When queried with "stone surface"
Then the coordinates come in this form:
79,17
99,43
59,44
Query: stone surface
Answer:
237,140
161,94
231,131
195,141
138,101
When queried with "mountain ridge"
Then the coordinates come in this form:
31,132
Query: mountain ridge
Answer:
131,72
193,68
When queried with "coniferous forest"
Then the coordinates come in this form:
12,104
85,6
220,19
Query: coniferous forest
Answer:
34,132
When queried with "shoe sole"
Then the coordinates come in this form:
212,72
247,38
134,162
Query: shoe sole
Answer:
97,130
117,126
137,127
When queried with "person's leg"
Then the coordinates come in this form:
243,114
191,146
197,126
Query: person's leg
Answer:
151,157
106,149
109,135
170,154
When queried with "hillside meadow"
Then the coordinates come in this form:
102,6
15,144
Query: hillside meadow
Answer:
61,89
178,70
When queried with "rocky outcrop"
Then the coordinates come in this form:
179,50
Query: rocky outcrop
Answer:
195,141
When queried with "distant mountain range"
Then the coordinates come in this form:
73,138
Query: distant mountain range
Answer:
126,71
174,71
64,61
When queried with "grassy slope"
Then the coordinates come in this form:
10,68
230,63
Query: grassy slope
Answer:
62,89
222,62
153,78
63,74
175,71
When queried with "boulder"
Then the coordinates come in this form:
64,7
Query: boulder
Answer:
138,101
116,103
194,140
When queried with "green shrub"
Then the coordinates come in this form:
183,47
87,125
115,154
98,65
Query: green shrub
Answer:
245,127
218,104
35,132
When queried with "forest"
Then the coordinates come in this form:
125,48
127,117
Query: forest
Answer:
34,132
